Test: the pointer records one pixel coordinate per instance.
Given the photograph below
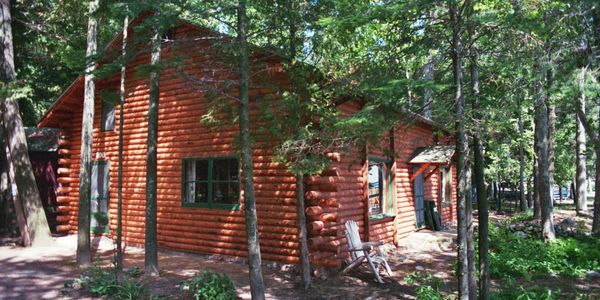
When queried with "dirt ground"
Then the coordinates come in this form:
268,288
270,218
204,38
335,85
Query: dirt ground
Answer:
40,273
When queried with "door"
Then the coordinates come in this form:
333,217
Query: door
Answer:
419,194
99,197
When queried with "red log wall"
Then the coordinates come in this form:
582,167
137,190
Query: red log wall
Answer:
332,198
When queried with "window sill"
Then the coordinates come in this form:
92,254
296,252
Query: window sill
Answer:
211,206
382,217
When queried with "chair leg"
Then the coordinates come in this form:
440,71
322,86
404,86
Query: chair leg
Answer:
375,270
353,265
387,268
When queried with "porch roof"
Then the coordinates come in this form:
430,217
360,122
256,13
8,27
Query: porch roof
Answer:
438,155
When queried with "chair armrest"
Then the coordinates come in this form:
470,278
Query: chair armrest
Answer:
372,244
367,246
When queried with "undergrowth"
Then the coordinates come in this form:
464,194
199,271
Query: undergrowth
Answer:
103,282
427,286
210,286
530,257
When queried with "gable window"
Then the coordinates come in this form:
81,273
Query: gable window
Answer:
211,182
380,187
107,121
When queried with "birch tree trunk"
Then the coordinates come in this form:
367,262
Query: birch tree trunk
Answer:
461,149
257,286
151,251
119,258
28,198
84,257
581,168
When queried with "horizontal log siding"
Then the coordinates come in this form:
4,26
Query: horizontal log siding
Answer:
180,136
332,198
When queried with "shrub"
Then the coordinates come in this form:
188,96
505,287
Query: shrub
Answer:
103,282
210,286
428,287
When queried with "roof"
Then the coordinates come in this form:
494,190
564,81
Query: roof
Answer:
42,139
77,86
433,155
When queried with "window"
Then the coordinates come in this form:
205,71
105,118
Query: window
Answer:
446,186
99,196
211,182
108,116
380,187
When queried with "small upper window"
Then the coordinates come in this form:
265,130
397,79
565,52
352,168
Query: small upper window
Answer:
108,116
211,182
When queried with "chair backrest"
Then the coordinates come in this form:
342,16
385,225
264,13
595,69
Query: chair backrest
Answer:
353,237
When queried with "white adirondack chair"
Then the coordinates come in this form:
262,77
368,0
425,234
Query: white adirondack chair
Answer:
359,252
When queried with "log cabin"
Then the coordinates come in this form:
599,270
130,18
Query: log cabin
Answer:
200,202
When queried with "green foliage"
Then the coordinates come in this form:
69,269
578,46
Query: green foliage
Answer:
530,257
210,286
428,286
529,293
103,282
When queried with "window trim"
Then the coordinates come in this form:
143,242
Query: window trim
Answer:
103,120
446,174
101,229
387,210
209,181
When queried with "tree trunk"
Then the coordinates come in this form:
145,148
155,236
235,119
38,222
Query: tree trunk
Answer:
483,215
461,149
479,170
537,207
302,232
6,211
596,217
581,167
257,286
472,269
541,132
474,104
522,200
38,232
551,146
498,197
151,255
529,193
428,73
298,85
119,258
84,257
12,189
